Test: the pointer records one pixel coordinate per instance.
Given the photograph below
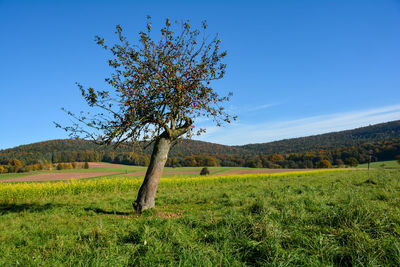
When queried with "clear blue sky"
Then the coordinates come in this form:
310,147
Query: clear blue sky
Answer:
296,68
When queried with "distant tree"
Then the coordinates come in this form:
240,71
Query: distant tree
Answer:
40,166
86,165
172,162
339,163
60,166
2,169
16,163
68,165
204,171
189,161
48,166
352,162
308,164
255,163
276,157
292,164
160,88
324,164
210,161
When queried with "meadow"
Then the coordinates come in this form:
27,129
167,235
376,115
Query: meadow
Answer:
101,170
315,218
390,164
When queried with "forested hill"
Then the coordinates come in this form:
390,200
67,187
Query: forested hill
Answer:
370,134
182,147
380,140
82,150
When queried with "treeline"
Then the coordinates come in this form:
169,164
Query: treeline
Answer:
344,156
17,166
128,158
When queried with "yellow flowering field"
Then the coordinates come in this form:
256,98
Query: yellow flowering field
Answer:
15,191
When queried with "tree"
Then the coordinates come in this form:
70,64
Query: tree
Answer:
204,171
210,161
158,90
352,162
60,166
398,159
86,165
339,163
275,158
16,163
324,164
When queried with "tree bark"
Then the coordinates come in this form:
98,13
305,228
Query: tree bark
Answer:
147,192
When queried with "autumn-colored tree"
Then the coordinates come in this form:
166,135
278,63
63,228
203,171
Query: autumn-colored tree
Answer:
60,166
210,161
68,166
48,166
158,90
324,164
276,157
16,163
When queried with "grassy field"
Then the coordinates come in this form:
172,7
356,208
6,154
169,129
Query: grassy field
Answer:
391,164
320,218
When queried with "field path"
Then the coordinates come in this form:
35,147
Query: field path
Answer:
57,176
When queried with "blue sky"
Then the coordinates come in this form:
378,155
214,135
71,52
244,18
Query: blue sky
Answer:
296,68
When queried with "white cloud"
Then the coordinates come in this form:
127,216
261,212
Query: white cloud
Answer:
241,133
262,107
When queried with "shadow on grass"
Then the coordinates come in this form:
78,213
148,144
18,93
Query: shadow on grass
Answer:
101,211
31,207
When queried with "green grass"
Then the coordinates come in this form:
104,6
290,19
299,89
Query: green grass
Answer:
341,218
391,164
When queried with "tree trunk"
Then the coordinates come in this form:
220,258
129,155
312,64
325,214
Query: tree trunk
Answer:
147,192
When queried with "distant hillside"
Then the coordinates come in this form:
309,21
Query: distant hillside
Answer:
382,140
370,134
194,147
182,147
66,150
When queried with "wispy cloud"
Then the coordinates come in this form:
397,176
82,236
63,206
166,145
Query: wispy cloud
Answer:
262,107
242,133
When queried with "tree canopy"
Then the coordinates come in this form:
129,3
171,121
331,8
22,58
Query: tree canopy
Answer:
156,87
